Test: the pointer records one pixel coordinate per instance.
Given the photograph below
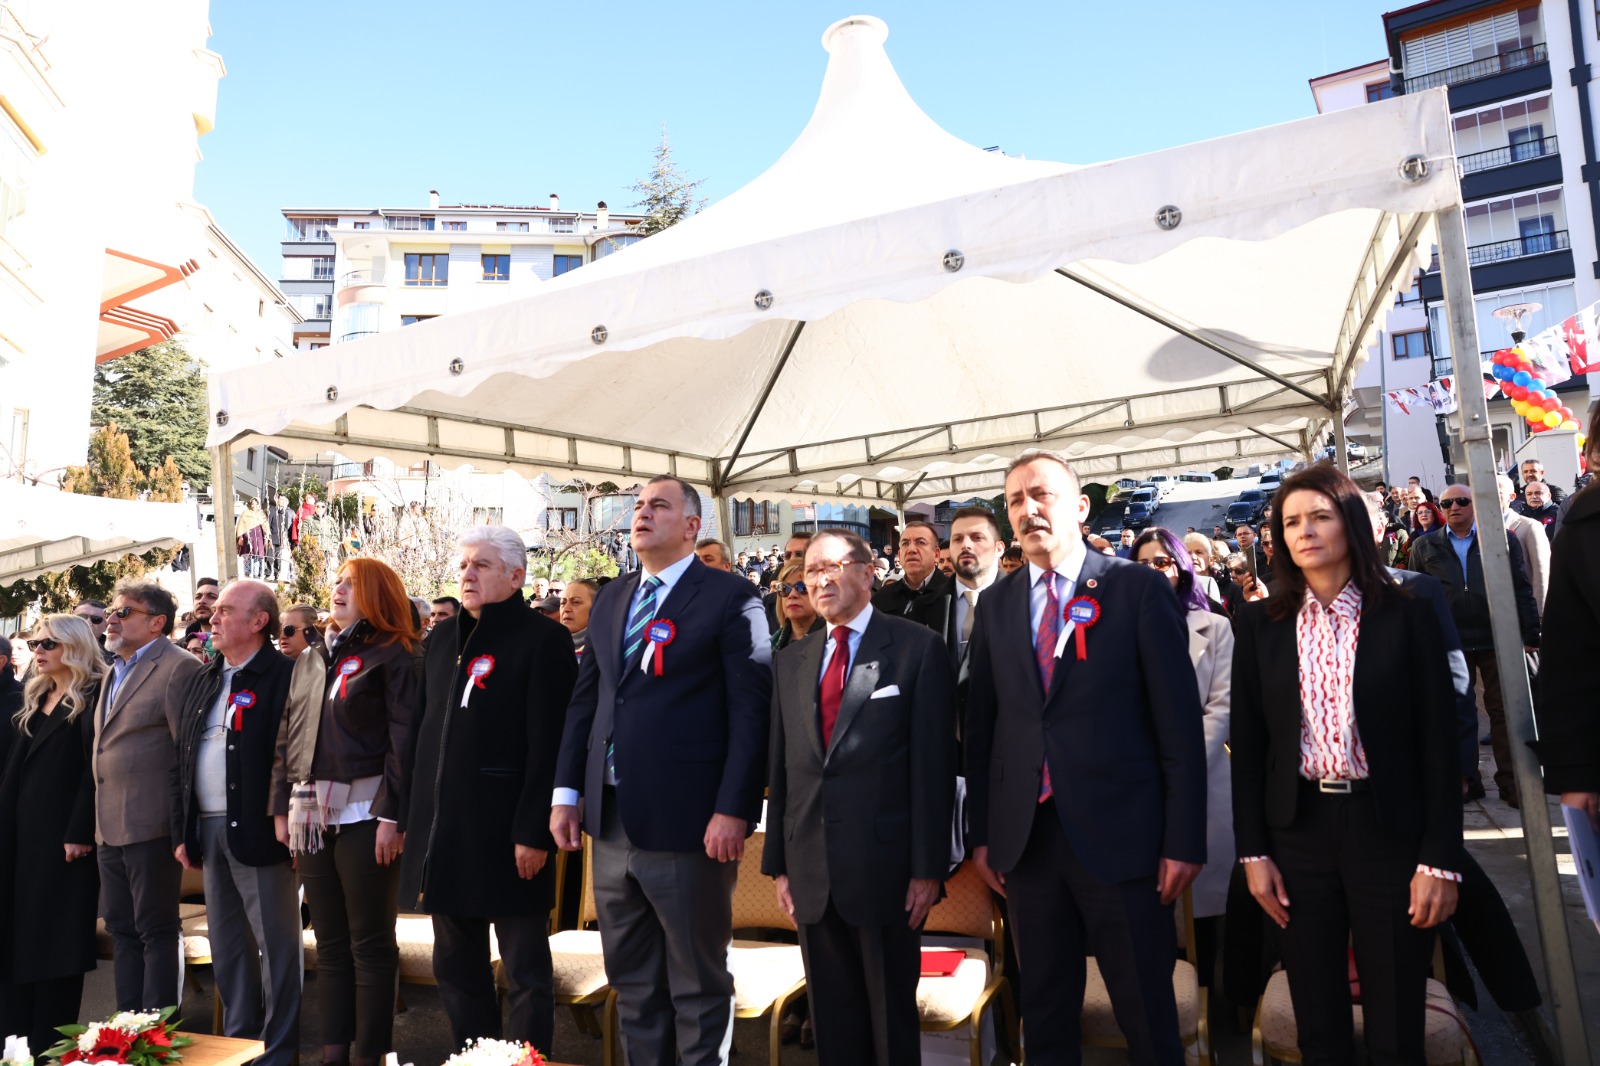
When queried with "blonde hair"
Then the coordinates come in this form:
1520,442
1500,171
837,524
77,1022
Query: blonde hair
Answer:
85,669
792,571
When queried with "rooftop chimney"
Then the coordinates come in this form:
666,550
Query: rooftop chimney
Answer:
433,199
555,202
602,217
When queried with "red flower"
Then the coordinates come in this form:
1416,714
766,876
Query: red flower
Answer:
160,1043
72,1056
113,1046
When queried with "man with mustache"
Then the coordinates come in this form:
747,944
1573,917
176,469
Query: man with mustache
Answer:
919,561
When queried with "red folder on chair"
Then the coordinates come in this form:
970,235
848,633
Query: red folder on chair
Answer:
941,963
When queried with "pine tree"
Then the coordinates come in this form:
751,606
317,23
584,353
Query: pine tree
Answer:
158,396
667,195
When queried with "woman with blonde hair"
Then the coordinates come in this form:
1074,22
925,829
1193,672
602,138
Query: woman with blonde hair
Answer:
343,747
49,898
796,616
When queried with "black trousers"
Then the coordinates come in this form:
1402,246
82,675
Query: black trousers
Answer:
466,978
354,902
1060,914
1348,879
139,888
36,1008
862,982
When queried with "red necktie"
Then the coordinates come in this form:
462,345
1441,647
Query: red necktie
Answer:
833,682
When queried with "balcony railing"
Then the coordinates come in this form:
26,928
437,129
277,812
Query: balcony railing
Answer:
1504,157
1517,247
358,333
1479,68
357,277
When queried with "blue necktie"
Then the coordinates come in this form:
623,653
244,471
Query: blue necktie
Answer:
632,640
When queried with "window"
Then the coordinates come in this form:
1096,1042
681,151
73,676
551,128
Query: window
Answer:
1412,295
250,464
1537,234
1412,345
312,305
511,227
454,227
318,344
1496,35
615,243
411,320
564,263
755,518
410,222
311,229
1527,143
497,268
1379,90
561,518
1496,229
1483,137
427,269
360,225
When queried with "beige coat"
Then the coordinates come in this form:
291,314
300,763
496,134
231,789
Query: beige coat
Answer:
1211,653
297,732
135,746
1535,552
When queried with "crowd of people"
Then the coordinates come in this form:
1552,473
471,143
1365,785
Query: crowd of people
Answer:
1280,722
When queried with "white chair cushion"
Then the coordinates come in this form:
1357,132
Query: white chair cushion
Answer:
761,973
580,968
946,1001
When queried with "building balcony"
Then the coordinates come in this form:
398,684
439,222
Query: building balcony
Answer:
1511,169
360,286
1518,247
357,333
1506,156
1488,67
1514,263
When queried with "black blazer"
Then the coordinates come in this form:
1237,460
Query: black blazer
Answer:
1122,729
1569,674
858,821
1466,697
1405,714
690,743
250,755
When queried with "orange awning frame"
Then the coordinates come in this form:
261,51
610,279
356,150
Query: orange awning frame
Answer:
114,309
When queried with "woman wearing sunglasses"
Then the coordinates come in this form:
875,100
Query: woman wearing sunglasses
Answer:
49,892
1211,655
795,613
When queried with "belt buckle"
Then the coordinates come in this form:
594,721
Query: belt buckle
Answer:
1334,785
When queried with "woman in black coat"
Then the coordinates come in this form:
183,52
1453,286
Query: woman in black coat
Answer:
1569,674
49,883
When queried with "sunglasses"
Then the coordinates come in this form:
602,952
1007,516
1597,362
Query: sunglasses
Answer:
1159,562
788,589
290,631
1459,501
1239,571
43,644
124,612
93,619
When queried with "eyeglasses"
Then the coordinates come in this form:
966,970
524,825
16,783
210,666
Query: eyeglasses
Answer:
1239,571
43,644
830,569
1458,501
1159,562
789,590
124,612
93,619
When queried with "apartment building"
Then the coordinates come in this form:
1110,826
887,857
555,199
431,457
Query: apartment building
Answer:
1523,101
351,272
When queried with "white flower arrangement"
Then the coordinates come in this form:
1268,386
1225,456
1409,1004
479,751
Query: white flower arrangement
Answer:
486,1052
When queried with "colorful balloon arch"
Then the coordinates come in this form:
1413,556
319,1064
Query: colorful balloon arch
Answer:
1530,398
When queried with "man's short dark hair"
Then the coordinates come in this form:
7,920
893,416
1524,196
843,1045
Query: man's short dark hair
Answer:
915,523
96,604
1033,455
691,495
1013,552
155,599
800,535
455,604
977,512
207,581
5,649
860,550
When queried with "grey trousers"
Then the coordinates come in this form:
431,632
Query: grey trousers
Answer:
139,888
666,920
254,917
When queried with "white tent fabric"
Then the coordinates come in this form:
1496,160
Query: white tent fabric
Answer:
46,530
888,313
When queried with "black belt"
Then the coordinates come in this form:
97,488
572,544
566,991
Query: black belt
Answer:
1330,786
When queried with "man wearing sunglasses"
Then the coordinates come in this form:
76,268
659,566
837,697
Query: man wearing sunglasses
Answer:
94,612
135,753
1454,561
300,632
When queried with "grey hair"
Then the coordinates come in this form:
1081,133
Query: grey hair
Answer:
707,542
503,542
859,550
152,597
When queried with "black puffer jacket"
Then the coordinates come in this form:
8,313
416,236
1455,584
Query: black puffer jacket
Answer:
1469,598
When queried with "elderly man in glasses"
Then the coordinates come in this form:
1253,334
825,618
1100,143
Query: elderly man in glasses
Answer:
1455,562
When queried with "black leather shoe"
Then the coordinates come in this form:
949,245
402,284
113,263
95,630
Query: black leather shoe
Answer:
1485,740
1474,792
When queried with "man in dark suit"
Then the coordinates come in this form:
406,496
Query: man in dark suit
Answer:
666,742
1086,779
862,778
919,564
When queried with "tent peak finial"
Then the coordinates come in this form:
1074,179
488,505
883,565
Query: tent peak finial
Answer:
872,29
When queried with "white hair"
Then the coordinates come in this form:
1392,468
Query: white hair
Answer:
503,542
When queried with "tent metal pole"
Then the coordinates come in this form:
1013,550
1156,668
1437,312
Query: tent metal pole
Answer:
766,391
1342,456
1183,331
724,518
1476,441
222,512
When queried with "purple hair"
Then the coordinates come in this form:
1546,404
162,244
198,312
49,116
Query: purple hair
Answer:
1190,594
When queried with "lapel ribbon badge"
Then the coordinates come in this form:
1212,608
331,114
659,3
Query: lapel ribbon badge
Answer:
242,701
477,670
1081,613
659,634
347,669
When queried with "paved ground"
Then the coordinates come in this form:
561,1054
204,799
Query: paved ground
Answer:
1494,836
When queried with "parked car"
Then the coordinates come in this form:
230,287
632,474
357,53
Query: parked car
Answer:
1139,513
1147,494
1196,476
1247,508
1269,483
1164,484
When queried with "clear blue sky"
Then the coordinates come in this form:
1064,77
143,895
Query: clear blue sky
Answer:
357,103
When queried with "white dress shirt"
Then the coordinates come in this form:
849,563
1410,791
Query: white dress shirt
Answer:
1068,572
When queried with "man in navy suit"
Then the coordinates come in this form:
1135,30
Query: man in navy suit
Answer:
1086,782
666,743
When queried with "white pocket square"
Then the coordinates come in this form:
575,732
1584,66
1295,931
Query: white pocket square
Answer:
886,692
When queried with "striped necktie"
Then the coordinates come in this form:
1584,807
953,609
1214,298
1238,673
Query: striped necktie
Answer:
633,636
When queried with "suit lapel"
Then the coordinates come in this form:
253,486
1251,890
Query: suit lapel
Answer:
688,585
610,636
863,679
805,670
1094,566
44,725
1013,636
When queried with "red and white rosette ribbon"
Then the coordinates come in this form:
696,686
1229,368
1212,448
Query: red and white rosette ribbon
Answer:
657,635
347,669
1080,613
242,701
477,670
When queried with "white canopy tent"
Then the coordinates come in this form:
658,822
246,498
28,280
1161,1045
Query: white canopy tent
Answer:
888,313
46,530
